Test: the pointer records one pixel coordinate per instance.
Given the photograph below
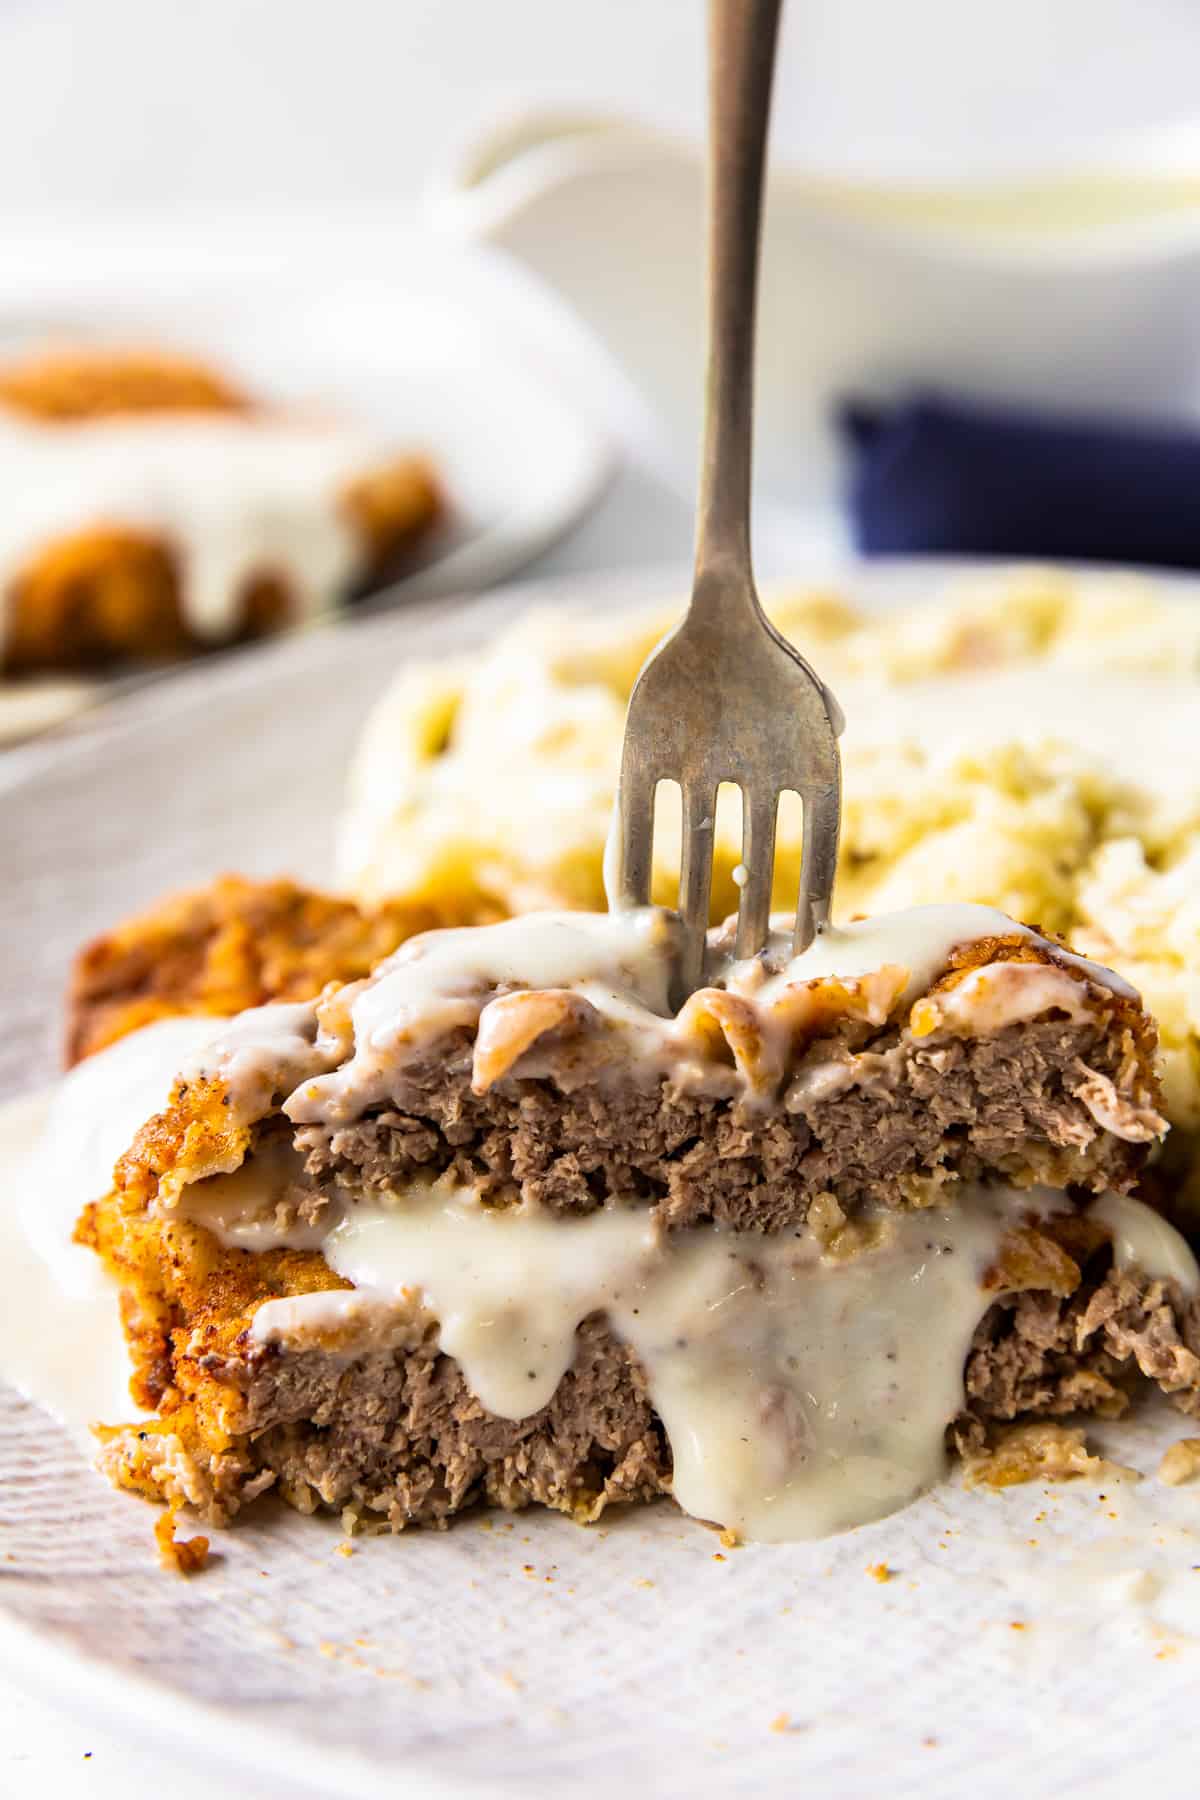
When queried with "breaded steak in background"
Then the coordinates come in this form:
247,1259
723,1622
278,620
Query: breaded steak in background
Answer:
150,508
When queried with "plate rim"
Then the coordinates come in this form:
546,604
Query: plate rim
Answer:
138,285
37,1663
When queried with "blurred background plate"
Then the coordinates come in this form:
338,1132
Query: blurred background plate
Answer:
383,333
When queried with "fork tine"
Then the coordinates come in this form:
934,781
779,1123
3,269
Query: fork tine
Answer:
695,876
635,835
822,817
759,814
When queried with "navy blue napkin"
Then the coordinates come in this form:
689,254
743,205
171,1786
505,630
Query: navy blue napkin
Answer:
934,474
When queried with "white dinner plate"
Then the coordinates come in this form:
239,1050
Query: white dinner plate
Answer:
412,348
1038,1640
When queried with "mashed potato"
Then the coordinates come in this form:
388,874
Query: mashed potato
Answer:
1031,741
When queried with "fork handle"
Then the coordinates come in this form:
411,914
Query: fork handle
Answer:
742,36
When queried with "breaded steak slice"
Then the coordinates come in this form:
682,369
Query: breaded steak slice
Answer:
97,586
821,1109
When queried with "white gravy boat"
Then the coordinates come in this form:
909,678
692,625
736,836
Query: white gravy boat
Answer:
1076,288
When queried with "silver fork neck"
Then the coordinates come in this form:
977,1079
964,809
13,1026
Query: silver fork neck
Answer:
742,38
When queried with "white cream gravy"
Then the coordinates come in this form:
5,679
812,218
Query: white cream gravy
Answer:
60,1331
59,1344
92,1116
1143,1239
801,1393
620,964
1008,993
919,939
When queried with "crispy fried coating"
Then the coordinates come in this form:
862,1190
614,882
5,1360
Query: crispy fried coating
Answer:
176,1279
1128,1012
108,594
234,944
389,508
105,593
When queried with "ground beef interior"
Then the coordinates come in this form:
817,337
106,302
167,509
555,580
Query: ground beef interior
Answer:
396,1436
914,1110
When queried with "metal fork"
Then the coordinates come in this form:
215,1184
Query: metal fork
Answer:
724,697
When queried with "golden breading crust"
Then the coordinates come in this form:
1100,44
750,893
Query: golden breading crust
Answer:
176,1278
217,950
234,944
103,593
106,594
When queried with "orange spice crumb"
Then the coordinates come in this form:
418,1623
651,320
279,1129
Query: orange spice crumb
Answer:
187,1556
781,1722
879,1571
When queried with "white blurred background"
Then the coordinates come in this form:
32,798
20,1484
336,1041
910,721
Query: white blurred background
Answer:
308,135
203,114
